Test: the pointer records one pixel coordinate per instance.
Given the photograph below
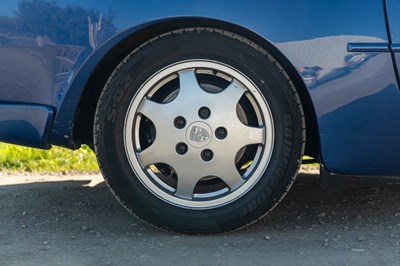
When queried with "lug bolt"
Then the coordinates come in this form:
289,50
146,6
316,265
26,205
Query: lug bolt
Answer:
179,122
207,155
221,133
204,112
181,148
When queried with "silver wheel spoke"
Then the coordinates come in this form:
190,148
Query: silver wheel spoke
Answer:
151,110
155,153
251,135
232,177
187,180
232,94
188,85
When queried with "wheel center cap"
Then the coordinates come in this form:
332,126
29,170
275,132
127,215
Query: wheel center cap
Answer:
198,134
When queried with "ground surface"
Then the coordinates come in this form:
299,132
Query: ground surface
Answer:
74,220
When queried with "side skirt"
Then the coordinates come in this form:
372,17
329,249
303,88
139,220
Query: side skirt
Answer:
337,182
25,124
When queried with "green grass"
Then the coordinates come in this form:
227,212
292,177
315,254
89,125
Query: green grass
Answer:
17,158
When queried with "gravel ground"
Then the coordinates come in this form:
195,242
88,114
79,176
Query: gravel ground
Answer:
74,220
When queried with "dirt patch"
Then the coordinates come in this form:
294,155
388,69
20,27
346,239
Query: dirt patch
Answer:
74,220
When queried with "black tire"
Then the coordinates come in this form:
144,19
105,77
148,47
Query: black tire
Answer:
188,45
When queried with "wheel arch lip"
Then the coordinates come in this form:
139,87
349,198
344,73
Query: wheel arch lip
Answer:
66,130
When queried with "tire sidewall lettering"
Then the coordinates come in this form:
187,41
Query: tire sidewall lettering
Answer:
117,97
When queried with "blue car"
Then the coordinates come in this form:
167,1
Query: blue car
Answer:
200,112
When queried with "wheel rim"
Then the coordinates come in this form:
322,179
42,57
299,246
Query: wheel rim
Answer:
198,134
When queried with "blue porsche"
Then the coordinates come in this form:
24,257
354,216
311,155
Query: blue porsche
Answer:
200,112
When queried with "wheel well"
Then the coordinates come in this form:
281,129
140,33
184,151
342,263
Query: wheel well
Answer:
83,129
312,134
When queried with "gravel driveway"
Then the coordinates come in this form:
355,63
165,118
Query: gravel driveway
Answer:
74,220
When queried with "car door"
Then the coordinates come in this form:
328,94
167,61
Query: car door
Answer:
393,23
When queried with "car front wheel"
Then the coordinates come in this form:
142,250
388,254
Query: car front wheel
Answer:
199,131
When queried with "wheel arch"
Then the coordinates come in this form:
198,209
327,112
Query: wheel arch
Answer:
73,124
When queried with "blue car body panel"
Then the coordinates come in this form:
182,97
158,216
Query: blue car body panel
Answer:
342,50
25,124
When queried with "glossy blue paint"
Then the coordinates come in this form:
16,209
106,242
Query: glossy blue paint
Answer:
354,92
393,12
393,21
26,125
